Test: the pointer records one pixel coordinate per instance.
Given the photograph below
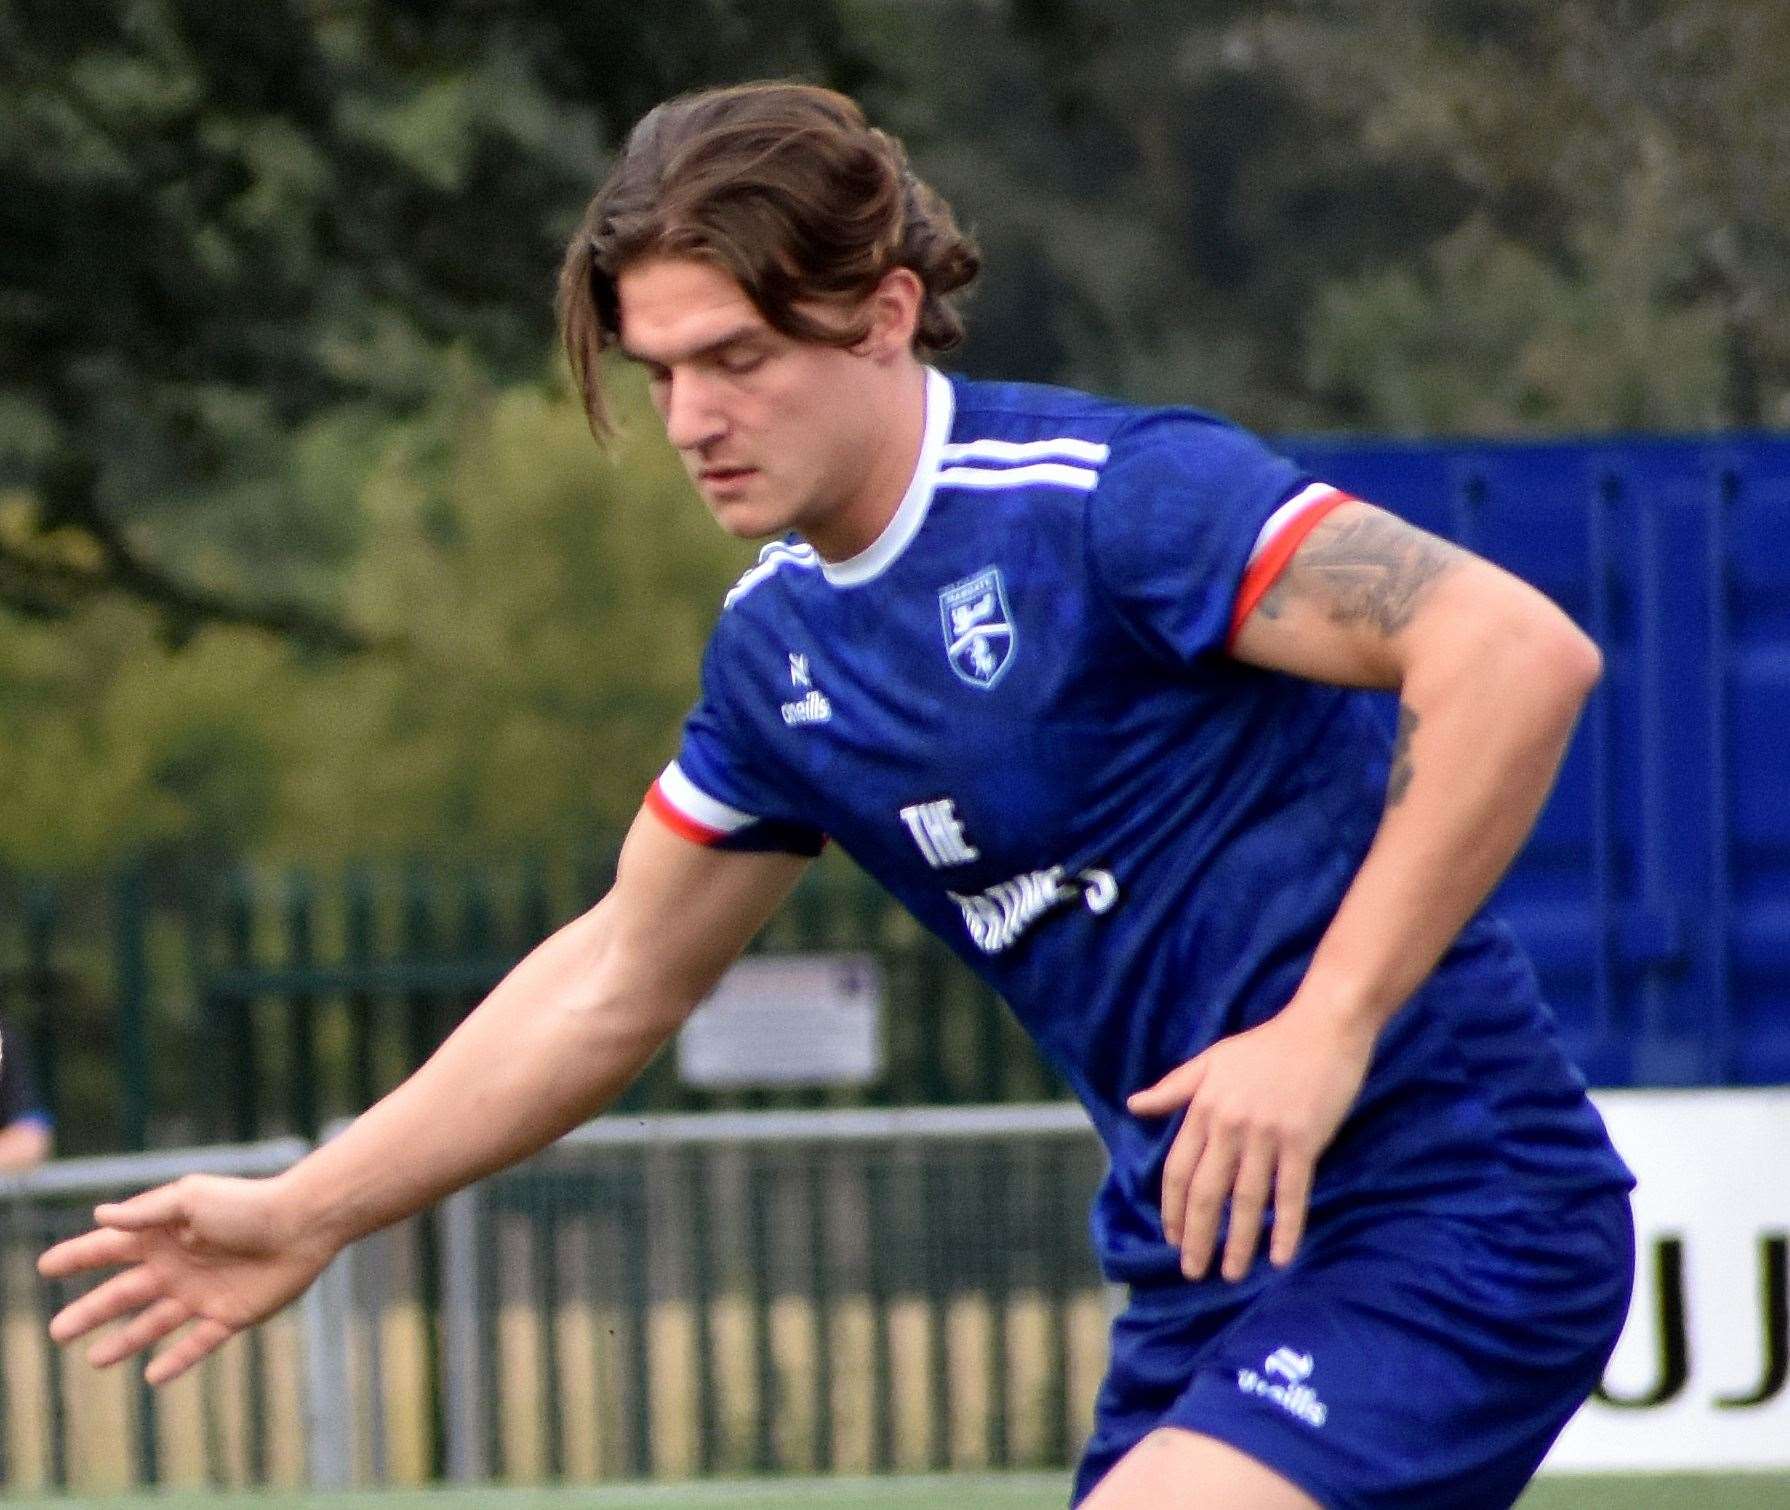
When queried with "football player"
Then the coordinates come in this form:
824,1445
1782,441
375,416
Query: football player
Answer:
1079,683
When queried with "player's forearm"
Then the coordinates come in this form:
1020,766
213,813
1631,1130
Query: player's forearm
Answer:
1485,718
557,1040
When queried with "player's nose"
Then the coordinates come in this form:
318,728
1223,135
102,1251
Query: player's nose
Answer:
693,416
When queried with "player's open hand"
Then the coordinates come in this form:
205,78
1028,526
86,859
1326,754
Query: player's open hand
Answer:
1261,1107
206,1253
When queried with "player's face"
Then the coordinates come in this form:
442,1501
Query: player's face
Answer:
778,434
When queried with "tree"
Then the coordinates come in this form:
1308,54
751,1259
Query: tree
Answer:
1219,202
218,223
1632,152
553,602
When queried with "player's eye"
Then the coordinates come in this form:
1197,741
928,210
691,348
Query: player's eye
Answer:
739,363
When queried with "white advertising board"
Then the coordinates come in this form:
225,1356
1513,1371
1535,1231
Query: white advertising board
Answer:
1698,1380
787,1019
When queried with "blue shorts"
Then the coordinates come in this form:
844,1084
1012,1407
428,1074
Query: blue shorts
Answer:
1405,1359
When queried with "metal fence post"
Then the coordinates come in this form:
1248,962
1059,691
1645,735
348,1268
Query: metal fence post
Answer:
301,1005
462,1353
329,1436
42,921
422,938
237,1014
358,951
131,899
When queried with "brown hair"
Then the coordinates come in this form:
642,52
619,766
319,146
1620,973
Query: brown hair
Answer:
787,188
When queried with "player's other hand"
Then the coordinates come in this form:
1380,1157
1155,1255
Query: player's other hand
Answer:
207,1254
1261,1107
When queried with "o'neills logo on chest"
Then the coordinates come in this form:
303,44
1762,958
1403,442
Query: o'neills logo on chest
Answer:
812,706
812,709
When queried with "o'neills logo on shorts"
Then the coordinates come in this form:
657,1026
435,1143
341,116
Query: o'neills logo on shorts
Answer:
1295,1396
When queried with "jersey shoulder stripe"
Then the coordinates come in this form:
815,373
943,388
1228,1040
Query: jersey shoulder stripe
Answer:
1059,448
1054,474
1018,435
775,556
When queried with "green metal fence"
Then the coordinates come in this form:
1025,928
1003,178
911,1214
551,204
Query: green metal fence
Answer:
173,1006
65,1425
661,1296
814,1293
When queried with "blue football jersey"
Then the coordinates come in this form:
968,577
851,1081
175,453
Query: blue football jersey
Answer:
1017,710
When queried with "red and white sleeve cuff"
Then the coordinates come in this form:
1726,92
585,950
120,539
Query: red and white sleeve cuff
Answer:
1282,535
686,809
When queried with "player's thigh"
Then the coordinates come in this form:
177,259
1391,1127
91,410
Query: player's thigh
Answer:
1175,1469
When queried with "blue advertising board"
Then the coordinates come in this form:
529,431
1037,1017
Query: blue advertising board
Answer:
1655,894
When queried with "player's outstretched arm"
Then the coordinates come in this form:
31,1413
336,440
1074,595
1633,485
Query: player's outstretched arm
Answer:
561,1036
1491,677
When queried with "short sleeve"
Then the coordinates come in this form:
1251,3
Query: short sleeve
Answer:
1191,522
716,792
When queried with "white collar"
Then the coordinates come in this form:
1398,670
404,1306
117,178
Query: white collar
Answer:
877,557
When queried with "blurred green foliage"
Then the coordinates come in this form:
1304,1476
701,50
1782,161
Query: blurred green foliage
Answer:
304,550
1460,216
553,603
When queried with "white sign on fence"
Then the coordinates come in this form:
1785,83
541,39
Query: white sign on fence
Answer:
779,1020
1698,1380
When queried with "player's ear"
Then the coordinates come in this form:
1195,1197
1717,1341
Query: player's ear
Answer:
893,312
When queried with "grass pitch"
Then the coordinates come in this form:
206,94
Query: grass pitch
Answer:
1743,1491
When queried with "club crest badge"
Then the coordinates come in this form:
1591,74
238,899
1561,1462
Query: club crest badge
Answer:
979,637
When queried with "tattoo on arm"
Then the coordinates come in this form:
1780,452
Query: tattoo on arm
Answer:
1398,780
1371,569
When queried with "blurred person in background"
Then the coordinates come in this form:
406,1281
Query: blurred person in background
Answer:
27,1134
1079,682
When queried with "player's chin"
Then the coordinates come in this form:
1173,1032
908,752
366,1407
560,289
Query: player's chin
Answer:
749,521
